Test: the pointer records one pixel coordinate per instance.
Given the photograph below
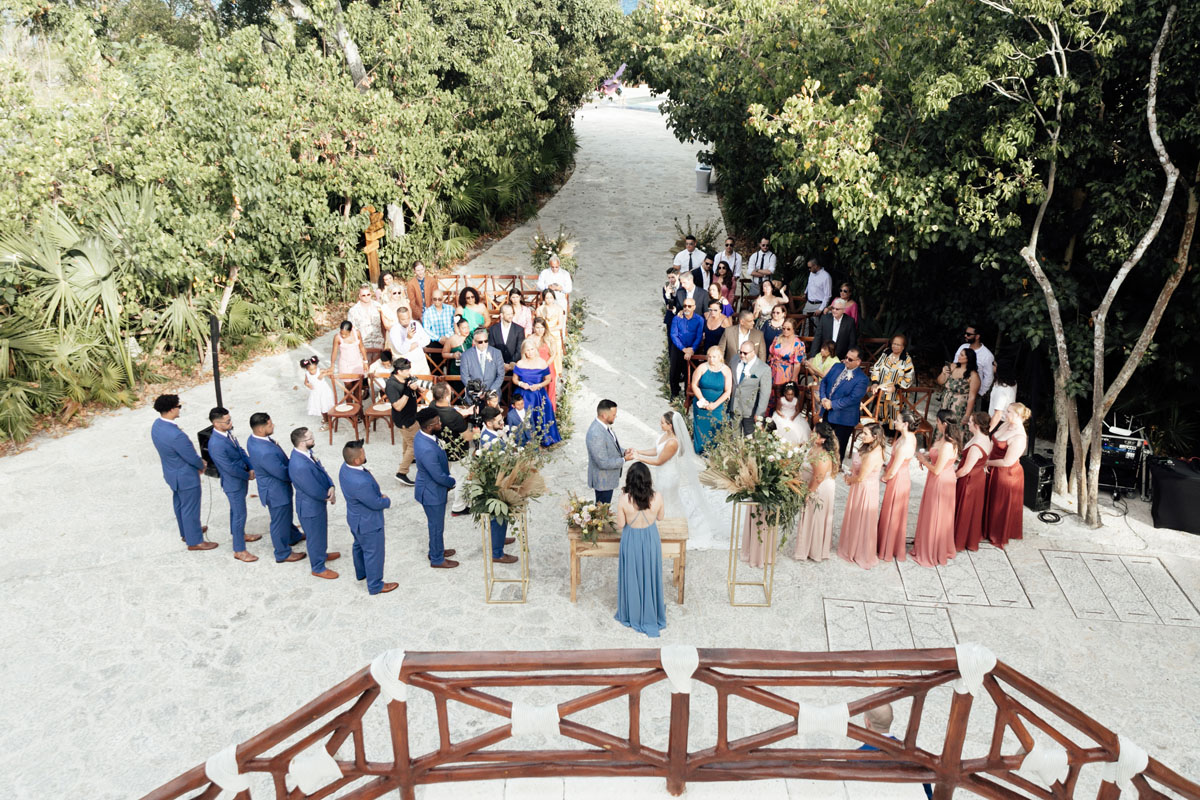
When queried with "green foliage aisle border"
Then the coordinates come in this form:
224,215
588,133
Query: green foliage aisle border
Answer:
569,381
560,245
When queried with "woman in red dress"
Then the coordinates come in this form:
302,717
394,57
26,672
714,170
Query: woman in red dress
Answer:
1006,480
972,480
893,512
933,544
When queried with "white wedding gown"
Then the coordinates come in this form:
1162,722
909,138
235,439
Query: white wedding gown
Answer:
708,516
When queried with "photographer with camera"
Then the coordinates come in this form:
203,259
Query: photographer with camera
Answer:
481,364
402,395
456,435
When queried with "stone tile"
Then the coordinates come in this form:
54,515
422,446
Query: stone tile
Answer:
609,788
846,625
1162,591
1000,582
888,625
1119,588
815,790
931,627
870,790
737,790
960,582
920,584
466,790
1075,579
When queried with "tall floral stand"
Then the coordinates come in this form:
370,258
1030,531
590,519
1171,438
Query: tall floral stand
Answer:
518,528
745,514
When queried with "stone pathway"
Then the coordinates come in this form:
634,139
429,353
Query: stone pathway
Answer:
129,660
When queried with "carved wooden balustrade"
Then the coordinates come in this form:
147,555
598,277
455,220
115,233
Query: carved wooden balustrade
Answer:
1020,709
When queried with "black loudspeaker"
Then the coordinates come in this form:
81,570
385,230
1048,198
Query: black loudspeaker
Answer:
1176,501
1122,460
1039,481
210,469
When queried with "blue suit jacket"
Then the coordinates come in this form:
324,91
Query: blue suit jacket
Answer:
364,502
845,400
181,464
492,374
271,469
517,427
312,484
433,472
231,461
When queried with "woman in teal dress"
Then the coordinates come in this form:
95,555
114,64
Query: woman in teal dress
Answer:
640,603
712,383
531,376
471,308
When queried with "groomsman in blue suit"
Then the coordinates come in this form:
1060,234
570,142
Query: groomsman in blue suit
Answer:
234,466
314,489
434,483
274,486
841,390
181,468
364,514
516,420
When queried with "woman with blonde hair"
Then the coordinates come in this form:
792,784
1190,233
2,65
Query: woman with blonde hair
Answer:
1005,479
860,522
712,383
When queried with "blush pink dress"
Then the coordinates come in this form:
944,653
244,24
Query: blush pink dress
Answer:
860,522
814,534
893,512
934,542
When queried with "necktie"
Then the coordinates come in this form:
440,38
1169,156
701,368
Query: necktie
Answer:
613,434
741,373
233,439
691,262
845,374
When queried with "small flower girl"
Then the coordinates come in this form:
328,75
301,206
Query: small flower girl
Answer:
320,392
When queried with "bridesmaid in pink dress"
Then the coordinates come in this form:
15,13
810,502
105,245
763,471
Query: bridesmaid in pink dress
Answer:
814,534
860,522
934,542
970,490
893,513
1006,480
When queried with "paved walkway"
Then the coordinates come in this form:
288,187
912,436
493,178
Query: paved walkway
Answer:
129,660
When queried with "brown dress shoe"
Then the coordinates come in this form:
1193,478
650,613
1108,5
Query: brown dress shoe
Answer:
334,556
447,553
505,559
295,556
446,564
388,587
509,539
203,546
244,556
327,574
253,537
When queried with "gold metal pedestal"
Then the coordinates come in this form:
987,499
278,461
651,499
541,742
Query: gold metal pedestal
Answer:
745,513
517,528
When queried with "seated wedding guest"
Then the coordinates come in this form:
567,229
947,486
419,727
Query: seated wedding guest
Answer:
1004,392
933,545
472,309
845,293
893,512
712,384
689,258
522,314
438,318
786,355
409,340
823,361
555,277
670,287
759,267
421,290
393,301
962,382
840,392
640,603
507,336
380,369
454,345
715,296
732,258
790,424
367,316
814,534
737,335
769,297
704,276
773,326
181,469
554,313
971,485
383,292
894,370
715,323
858,541
1005,478
349,354
836,327
547,348
516,420
724,281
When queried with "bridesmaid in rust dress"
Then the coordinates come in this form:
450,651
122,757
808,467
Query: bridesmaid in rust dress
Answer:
969,491
860,522
893,512
934,543
1006,480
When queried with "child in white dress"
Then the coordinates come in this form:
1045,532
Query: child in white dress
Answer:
320,392
790,424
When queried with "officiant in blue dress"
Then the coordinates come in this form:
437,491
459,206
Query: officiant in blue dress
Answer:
640,603
531,376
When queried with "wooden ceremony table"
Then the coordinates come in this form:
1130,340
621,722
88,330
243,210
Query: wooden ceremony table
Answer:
673,533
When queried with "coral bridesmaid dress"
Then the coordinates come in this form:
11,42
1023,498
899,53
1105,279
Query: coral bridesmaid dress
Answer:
893,513
1005,489
969,495
860,523
934,542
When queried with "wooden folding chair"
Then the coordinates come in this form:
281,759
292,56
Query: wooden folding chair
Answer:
350,406
868,413
378,409
917,399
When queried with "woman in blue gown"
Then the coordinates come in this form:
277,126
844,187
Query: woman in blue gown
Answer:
640,603
531,376
712,383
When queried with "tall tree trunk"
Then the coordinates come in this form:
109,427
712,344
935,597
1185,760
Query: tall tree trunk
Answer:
354,62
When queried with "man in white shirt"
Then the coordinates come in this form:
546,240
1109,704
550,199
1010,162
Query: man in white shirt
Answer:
819,290
730,257
689,258
983,357
760,266
555,277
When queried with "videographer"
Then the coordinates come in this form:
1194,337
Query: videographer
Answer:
403,398
456,435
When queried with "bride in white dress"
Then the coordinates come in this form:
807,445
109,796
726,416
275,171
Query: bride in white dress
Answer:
676,475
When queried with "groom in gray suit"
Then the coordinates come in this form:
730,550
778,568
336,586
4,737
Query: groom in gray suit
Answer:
751,388
605,456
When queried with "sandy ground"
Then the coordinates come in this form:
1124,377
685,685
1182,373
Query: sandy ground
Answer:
129,659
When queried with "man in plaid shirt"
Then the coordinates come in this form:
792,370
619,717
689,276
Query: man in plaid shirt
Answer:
439,318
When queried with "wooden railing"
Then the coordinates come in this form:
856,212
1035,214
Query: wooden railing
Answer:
1010,706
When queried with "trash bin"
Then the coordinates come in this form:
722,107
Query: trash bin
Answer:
703,176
